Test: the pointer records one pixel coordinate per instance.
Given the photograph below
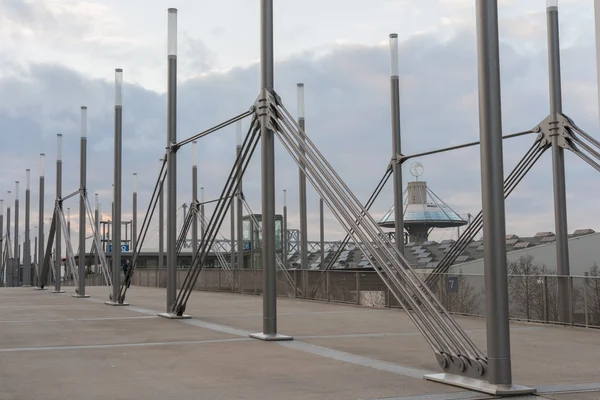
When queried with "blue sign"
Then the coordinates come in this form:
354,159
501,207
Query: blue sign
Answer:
124,247
452,284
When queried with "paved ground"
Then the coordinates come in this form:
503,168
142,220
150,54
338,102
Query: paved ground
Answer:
53,346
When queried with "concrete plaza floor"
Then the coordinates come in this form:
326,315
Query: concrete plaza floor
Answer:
53,346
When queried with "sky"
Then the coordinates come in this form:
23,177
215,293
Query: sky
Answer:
57,55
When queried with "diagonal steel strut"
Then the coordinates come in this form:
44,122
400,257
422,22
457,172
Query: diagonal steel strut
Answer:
454,350
239,167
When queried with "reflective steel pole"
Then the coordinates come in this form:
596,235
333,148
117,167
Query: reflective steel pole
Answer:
17,270
59,232
558,165
2,243
284,242
97,225
492,183
396,144
134,221
172,161
240,210
195,198
322,230
161,227
9,270
82,196
117,191
27,250
269,265
41,248
302,191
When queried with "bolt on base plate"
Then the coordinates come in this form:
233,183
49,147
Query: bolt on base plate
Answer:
479,385
115,303
174,316
270,337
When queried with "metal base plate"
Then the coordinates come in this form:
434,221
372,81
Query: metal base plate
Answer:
116,304
173,315
57,291
270,338
79,296
480,385
39,288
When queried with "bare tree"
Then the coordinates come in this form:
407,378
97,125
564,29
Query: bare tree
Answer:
532,290
592,289
463,297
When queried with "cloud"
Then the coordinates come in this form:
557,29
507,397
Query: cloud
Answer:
348,117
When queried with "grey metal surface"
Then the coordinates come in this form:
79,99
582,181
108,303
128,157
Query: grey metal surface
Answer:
284,244
396,147
322,229
9,280
58,232
161,225
195,201
302,190
558,167
116,218
172,181
82,209
240,209
494,223
27,248
134,231
2,243
16,252
268,175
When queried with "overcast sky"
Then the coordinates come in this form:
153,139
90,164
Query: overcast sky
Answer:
56,55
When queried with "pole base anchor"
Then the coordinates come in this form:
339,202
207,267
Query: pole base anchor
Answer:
269,337
80,296
115,304
170,315
40,288
57,291
479,385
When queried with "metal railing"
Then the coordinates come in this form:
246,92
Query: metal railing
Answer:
531,298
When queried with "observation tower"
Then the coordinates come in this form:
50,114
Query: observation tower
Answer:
423,210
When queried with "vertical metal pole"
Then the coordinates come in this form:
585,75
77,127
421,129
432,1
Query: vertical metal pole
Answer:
117,193
68,238
35,253
27,250
195,197
268,181
558,164
40,260
134,220
490,123
58,233
97,225
82,197
232,227
9,273
17,253
161,227
172,160
2,242
202,222
597,25
240,209
284,251
322,230
302,188
396,144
